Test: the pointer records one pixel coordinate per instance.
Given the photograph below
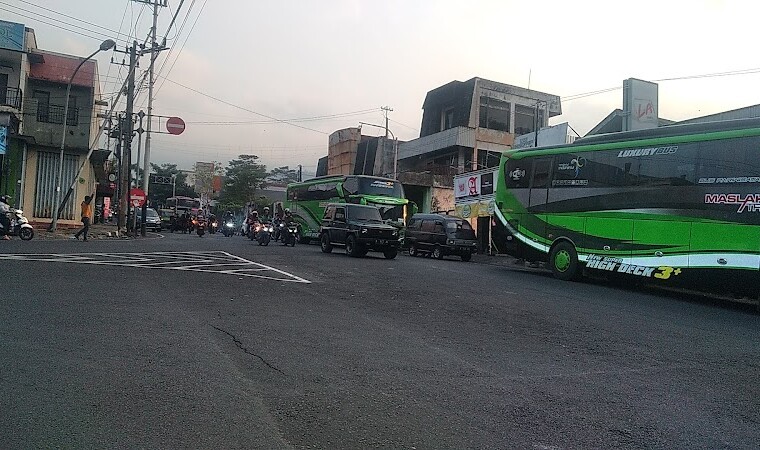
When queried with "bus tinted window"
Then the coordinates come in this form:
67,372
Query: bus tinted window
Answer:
729,162
322,191
516,173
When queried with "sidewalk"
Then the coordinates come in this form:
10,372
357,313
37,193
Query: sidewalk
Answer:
97,232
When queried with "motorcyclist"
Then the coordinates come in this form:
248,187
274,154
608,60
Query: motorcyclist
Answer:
288,218
253,219
228,217
5,208
266,217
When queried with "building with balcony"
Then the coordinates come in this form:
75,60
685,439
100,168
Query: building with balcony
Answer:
43,125
466,126
15,39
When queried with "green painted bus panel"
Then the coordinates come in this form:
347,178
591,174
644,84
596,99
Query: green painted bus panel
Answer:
728,237
607,236
668,237
682,139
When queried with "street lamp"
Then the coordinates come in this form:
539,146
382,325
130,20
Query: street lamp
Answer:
105,45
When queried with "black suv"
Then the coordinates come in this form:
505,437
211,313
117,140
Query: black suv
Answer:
359,228
440,235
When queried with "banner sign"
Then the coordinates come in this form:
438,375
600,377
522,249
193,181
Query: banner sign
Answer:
12,35
3,139
474,184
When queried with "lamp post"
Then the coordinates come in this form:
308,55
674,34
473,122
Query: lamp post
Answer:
105,45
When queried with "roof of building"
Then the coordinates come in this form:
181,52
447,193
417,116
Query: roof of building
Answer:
57,68
613,123
748,112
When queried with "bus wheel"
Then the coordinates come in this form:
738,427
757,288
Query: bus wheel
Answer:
563,260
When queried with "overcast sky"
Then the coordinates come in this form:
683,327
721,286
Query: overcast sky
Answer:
291,59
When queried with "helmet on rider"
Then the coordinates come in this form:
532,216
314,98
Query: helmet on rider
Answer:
3,199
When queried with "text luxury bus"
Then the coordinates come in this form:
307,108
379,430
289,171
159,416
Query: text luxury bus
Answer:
307,199
182,205
672,204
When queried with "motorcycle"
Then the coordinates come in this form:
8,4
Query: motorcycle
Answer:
229,228
19,225
279,231
264,233
289,234
212,227
200,227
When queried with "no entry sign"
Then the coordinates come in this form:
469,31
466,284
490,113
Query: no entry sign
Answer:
136,197
175,125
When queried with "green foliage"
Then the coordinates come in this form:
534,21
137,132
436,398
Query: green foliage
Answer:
158,193
283,174
243,178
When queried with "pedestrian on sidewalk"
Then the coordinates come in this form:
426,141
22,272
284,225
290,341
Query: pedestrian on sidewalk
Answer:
86,217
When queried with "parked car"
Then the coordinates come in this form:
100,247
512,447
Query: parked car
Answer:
152,219
359,229
440,235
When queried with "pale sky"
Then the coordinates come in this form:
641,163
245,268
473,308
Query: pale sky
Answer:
311,58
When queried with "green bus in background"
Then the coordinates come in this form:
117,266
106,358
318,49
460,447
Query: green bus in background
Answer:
672,204
307,200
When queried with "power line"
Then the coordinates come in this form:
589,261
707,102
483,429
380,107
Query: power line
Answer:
71,17
56,25
300,119
243,108
183,45
685,77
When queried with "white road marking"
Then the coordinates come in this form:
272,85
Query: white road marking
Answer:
208,262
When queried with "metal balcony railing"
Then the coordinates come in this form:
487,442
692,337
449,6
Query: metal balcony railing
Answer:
54,114
11,96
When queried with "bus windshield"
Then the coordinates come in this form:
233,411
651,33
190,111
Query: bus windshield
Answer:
387,188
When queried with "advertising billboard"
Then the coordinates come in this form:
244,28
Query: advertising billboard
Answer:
474,184
12,35
639,105
554,135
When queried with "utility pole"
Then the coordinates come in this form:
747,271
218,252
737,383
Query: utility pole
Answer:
300,173
125,127
154,49
386,110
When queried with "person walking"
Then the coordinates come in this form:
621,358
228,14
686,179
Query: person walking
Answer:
86,217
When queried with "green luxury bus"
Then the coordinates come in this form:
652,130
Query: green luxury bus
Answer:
676,203
307,200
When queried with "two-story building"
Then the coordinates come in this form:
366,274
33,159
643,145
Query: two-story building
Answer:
466,126
43,117
14,67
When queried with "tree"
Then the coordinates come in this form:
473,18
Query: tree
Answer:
158,193
283,174
243,177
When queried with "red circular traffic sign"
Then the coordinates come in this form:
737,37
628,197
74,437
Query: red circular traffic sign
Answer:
136,197
175,125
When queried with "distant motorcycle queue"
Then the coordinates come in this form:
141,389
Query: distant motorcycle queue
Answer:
262,229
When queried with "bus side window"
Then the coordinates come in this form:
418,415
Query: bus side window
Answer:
541,169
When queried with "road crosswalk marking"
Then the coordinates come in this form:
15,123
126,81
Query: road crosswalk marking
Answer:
208,262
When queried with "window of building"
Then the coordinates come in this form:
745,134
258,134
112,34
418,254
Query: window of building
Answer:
494,114
447,119
43,105
525,119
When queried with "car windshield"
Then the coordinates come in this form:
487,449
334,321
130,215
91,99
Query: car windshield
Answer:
368,214
392,213
151,213
461,229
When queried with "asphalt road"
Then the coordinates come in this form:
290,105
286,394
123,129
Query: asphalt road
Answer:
138,344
